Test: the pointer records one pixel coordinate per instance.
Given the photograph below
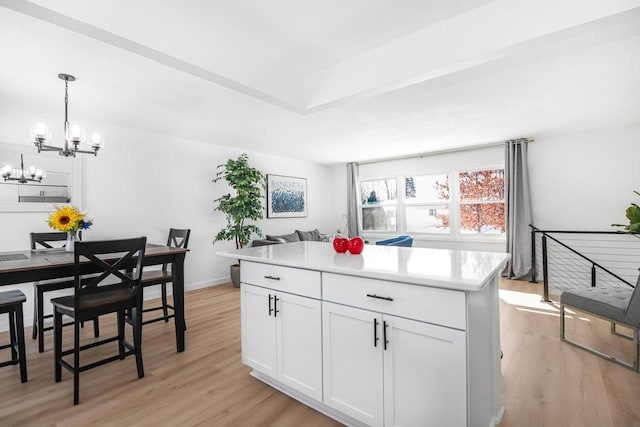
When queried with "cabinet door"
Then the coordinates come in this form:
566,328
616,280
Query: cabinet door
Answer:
299,338
353,362
424,374
258,329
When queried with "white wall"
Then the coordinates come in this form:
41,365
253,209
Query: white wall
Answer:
155,183
143,184
584,181
338,198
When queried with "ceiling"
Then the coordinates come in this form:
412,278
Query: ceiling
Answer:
327,82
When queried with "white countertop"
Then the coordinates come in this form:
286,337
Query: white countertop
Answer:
442,268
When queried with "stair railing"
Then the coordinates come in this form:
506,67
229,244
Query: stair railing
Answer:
545,270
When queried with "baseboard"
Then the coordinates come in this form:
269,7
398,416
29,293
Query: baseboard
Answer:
154,291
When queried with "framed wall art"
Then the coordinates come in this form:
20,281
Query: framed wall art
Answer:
286,196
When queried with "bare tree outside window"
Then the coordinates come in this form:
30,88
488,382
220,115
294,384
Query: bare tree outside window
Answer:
379,204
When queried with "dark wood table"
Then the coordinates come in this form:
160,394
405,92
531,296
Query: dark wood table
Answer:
56,264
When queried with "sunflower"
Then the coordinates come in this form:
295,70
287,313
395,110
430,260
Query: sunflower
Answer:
66,218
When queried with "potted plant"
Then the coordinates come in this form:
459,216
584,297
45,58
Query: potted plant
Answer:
246,204
633,215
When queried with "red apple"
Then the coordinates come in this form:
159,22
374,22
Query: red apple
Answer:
356,245
340,244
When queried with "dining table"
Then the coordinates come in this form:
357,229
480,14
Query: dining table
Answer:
26,266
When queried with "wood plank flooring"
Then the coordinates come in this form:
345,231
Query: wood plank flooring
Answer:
550,383
545,382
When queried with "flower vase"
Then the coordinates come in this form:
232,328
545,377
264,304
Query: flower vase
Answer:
71,238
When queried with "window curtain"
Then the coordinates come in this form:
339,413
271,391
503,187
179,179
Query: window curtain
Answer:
353,198
518,209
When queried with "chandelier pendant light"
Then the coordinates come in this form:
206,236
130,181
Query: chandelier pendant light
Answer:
74,135
22,175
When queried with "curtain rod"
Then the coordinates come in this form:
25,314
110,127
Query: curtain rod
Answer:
444,151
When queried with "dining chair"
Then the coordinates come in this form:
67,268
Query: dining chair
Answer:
618,306
178,238
47,241
114,290
11,303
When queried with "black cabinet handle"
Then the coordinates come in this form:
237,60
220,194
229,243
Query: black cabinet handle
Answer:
384,333
375,332
379,297
275,306
270,309
272,277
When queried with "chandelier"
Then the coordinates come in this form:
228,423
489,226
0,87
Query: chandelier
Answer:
74,135
22,175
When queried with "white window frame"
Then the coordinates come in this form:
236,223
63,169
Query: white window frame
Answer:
405,205
389,203
454,204
459,204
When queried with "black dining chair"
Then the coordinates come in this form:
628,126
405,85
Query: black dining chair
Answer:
11,303
116,289
178,238
47,240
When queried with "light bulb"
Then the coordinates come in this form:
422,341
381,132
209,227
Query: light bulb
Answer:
32,170
95,139
40,130
75,133
40,173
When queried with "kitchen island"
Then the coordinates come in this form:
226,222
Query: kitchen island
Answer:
394,336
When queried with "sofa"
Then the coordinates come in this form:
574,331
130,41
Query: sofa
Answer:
297,236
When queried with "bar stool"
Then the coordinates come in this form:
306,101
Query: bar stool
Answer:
178,238
46,241
111,291
11,303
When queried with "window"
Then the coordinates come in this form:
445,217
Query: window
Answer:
458,203
427,204
482,202
379,204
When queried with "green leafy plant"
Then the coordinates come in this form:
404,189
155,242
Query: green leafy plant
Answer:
247,182
633,214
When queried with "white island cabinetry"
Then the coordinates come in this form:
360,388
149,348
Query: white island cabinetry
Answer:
281,331
387,370
392,337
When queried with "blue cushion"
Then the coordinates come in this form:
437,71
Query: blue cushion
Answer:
403,240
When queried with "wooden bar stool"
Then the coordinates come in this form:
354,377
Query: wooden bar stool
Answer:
11,303
110,291
178,238
46,241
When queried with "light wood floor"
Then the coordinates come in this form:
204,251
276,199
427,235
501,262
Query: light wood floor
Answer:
545,382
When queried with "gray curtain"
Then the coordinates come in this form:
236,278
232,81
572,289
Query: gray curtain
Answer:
518,209
353,198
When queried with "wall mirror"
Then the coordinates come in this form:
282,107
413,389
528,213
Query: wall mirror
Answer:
60,185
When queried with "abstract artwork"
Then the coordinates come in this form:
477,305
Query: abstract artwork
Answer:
286,197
